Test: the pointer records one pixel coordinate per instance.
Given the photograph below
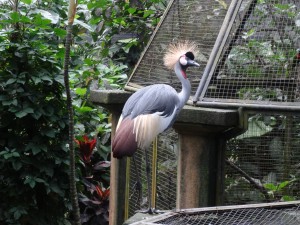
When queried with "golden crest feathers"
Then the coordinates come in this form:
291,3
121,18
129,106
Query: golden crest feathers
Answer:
176,50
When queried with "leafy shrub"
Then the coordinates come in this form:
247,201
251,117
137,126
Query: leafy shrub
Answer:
33,122
33,118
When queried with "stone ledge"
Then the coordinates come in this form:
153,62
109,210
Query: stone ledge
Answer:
109,97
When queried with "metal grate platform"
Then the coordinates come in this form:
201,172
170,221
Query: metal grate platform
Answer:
282,213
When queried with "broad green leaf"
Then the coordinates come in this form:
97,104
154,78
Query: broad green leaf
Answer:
49,171
3,97
222,3
10,81
282,185
60,32
147,13
37,114
15,154
28,110
17,214
28,2
80,91
39,180
270,187
48,132
132,10
21,114
97,4
128,40
283,6
62,124
256,128
85,109
15,17
41,22
84,25
55,188
49,15
35,150
47,78
30,181
17,165
36,80
7,155
288,198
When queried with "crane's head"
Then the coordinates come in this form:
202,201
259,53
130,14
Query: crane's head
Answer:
187,60
183,52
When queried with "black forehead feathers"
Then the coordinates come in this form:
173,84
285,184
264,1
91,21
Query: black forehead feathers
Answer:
190,55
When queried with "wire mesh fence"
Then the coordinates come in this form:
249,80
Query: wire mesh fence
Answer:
263,164
194,20
268,153
166,175
260,61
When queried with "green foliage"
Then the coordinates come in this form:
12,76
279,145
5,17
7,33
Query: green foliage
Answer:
107,40
33,124
279,192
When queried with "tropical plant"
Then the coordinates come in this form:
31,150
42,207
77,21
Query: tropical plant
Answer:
95,177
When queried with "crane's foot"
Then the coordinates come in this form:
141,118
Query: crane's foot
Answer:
150,211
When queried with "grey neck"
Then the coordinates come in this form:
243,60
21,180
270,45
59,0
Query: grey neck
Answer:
185,92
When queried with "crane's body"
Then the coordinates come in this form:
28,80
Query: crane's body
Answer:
153,109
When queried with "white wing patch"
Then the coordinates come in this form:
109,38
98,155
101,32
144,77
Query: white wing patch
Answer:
147,127
119,122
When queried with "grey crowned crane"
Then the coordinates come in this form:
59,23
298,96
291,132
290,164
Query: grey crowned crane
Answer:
153,109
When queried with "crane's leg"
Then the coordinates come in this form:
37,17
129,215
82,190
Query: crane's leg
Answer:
149,210
138,184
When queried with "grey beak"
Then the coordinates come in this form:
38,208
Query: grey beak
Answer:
192,63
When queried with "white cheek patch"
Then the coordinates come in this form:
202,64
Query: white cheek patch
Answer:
183,61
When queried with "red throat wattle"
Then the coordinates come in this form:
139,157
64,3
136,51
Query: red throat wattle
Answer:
183,74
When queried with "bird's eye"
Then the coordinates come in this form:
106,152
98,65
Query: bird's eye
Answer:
183,61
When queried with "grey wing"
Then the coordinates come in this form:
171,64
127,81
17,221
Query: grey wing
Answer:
152,99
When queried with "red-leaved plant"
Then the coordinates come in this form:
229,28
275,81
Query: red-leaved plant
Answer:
94,197
86,147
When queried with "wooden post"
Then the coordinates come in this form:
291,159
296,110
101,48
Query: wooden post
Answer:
117,183
200,171
114,101
197,171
